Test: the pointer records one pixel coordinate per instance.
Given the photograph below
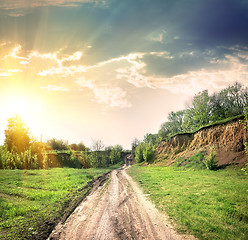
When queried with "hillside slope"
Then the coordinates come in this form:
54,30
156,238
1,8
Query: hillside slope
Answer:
225,139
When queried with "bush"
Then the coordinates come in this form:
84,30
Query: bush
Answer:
139,153
148,152
211,162
115,154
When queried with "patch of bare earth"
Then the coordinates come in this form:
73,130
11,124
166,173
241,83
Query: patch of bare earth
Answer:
116,210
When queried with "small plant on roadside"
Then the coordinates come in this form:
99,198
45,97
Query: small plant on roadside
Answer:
211,162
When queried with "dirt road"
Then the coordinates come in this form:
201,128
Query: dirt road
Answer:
116,210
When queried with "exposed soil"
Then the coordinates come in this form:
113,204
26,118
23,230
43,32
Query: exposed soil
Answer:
46,227
227,140
116,210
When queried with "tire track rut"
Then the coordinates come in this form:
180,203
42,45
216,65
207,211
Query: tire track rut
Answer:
118,210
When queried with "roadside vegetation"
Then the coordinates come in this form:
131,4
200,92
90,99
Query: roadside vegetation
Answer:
31,201
39,181
21,151
208,204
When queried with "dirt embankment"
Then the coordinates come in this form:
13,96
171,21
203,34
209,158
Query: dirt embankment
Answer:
227,140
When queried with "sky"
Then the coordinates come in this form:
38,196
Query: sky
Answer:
84,70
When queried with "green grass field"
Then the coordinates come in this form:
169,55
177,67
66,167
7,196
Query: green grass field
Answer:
207,204
31,198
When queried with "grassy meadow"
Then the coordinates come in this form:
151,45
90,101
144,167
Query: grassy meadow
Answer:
31,200
208,204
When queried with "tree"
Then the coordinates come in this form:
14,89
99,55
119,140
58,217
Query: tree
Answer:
148,152
115,154
201,109
188,124
59,145
135,143
233,100
151,138
17,137
97,145
176,120
139,153
165,131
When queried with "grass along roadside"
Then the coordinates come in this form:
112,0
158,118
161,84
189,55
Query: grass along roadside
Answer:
208,204
31,201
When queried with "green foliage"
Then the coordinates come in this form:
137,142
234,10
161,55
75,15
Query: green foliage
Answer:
17,137
209,204
211,162
77,147
84,158
148,152
56,144
31,198
115,154
139,153
195,162
23,160
245,169
151,138
134,144
206,109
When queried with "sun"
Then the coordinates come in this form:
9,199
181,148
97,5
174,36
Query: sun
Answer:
28,107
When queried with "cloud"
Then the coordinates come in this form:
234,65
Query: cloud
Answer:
110,97
112,80
18,8
59,88
232,68
19,4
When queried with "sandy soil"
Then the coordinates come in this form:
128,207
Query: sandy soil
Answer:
116,210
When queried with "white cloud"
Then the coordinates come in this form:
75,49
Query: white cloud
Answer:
59,88
18,4
18,8
112,97
111,80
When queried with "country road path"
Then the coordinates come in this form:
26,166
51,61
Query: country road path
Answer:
116,210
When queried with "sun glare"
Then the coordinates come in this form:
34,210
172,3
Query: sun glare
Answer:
28,108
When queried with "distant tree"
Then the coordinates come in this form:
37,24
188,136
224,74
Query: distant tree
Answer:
139,153
188,124
115,154
56,144
217,109
81,147
17,136
201,109
73,146
97,145
233,100
176,120
135,143
148,152
165,131
151,138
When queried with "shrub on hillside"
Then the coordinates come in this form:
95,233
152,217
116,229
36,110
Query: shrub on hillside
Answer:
211,162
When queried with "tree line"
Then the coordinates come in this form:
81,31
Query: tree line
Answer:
205,109
21,151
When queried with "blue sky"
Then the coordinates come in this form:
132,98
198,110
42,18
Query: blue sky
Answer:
114,69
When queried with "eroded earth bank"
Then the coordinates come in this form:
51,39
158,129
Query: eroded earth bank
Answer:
116,210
